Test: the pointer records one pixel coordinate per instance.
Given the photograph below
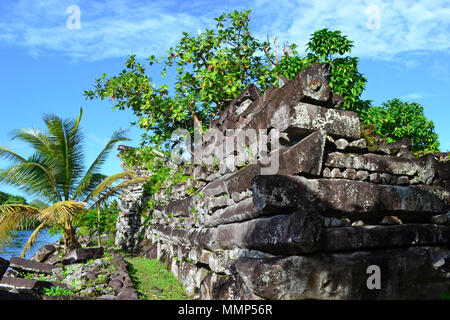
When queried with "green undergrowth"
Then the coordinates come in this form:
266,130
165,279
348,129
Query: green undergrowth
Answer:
153,281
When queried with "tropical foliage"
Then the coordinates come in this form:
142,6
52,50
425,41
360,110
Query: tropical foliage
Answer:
211,68
396,119
55,171
100,224
214,66
392,120
327,46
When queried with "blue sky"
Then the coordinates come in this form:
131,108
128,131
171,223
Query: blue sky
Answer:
46,63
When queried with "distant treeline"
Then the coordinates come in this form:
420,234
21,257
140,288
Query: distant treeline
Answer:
6,198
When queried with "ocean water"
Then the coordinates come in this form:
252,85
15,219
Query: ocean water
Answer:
15,246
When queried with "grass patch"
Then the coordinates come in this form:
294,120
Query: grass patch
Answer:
153,281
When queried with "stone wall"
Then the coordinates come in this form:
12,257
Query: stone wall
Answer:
311,230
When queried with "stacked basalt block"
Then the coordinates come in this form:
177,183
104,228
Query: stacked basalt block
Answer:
315,228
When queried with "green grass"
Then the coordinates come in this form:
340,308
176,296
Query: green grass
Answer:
153,281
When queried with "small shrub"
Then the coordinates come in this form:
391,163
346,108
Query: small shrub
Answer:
56,291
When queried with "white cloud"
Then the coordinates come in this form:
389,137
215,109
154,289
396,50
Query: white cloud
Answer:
403,26
117,28
413,96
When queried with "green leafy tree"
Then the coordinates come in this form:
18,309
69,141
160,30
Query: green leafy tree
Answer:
330,47
6,198
396,119
211,69
105,222
55,172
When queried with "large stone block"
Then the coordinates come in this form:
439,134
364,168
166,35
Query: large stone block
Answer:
424,168
4,264
43,253
383,237
27,285
282,194
242,103
180,207
309,86
25,265
411,273
82,255
304,157
244,210
303,118
280,234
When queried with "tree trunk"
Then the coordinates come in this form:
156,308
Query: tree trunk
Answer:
98,228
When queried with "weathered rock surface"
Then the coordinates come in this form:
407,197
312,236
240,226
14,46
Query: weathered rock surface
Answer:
242,211
382,237
304,157
27,285
441,219
82,255
43,253
412,273
280,234
424,168
24,265
279,193
307,220
303,118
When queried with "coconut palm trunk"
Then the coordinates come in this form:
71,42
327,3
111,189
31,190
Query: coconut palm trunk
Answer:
56,172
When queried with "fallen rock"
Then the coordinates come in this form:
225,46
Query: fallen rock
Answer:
82,255
24,265
127,293
43,253
27,285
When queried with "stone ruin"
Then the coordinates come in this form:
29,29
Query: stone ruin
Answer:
317,229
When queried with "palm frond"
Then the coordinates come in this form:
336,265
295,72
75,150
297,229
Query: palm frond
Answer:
98,162
115,190
38,140
62,211
10,155
67,146
12,216
109,181
32,239
87,185
36,175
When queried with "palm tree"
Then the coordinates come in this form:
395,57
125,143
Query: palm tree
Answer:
56,172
